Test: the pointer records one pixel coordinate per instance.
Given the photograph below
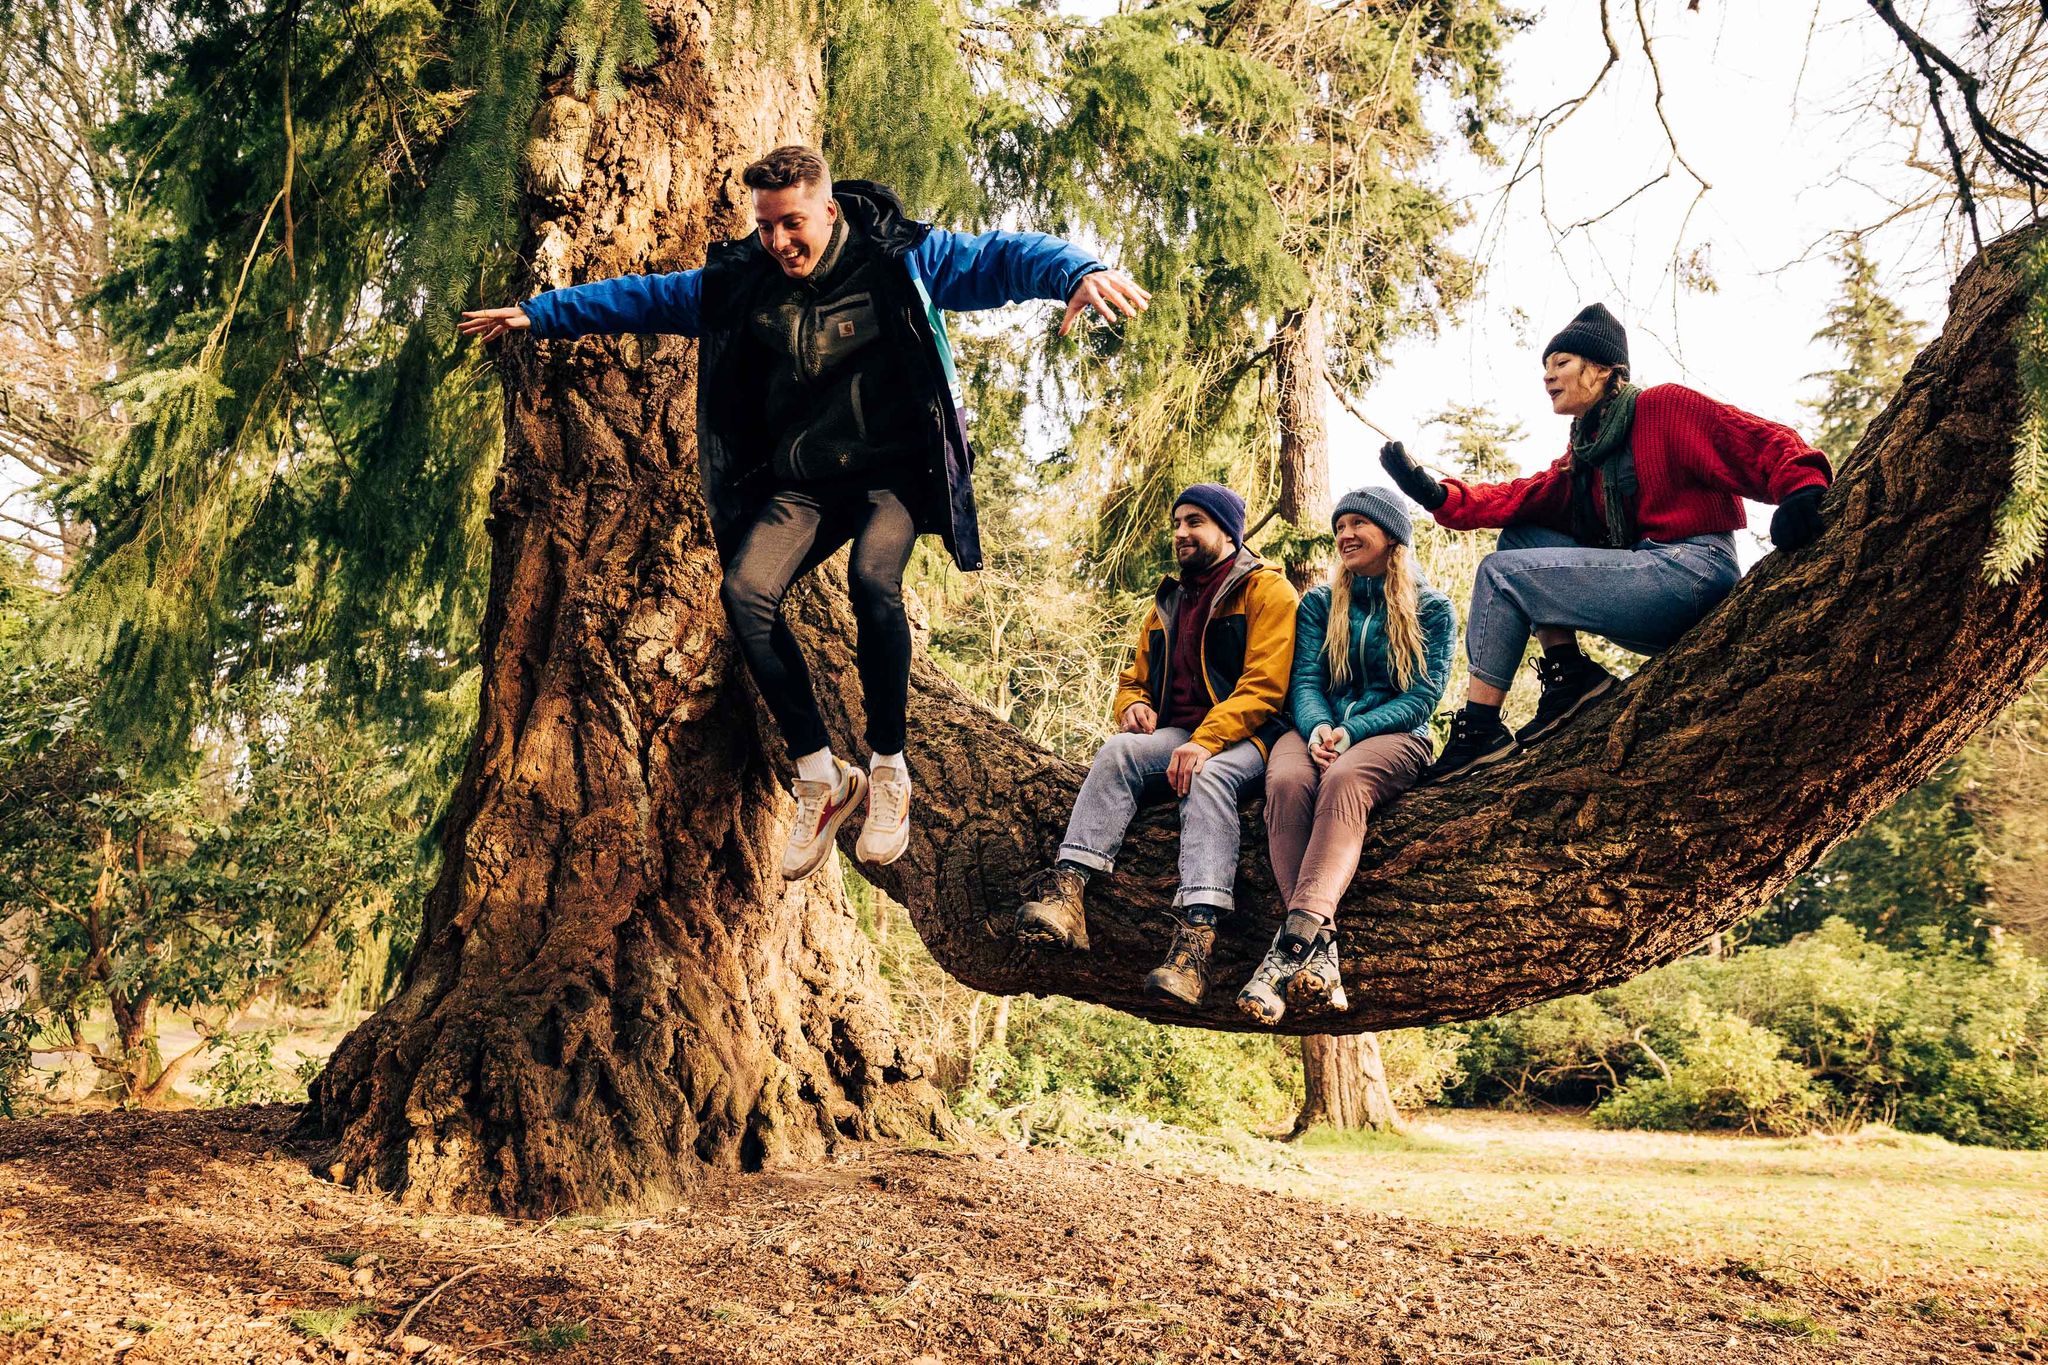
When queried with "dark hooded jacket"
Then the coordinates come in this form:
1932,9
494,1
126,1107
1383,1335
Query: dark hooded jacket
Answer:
940,271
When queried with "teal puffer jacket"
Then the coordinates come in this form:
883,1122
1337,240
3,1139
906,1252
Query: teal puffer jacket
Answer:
1372,703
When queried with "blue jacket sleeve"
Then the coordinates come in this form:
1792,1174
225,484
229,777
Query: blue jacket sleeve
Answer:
628,303
991,269
1413,708
1307,707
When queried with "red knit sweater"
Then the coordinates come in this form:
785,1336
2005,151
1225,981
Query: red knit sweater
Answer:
1695,460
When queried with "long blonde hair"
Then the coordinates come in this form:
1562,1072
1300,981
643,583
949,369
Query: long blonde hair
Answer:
1404,624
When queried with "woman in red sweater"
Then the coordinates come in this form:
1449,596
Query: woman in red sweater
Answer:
1629,535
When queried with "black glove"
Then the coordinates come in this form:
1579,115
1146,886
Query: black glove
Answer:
1410,477
1797,522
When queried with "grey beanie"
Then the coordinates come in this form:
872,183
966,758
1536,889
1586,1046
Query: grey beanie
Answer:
1380,506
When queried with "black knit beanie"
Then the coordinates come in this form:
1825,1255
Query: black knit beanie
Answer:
1595,334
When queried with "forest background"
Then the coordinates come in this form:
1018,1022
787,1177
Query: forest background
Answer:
244,553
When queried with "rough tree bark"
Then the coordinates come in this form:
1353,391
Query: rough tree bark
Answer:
1343,1083
1823,687
1346,1084
613,989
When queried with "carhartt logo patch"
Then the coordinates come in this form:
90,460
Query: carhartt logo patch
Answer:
846,329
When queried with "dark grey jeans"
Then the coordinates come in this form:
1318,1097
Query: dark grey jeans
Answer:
1643,598
795,532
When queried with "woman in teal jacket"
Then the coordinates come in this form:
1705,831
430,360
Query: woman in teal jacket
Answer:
1365,684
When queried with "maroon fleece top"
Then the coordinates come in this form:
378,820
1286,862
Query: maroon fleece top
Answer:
1187,694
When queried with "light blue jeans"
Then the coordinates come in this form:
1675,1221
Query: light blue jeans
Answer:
1208,813
1643,598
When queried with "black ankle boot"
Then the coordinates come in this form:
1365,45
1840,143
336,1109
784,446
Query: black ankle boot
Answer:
1474,744
1568,686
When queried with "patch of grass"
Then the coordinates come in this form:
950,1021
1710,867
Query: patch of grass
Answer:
556,1336
1922,1205
1326,1139
325,1324
1787,1322
15,1321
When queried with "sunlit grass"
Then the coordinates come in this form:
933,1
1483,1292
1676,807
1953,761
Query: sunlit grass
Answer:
1878,1201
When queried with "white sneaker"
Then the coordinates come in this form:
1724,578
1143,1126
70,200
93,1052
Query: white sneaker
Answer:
821,808
886,832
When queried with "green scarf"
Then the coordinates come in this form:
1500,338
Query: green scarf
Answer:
1607,452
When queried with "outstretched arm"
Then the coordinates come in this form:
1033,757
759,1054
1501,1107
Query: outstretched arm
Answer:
987,270
628,303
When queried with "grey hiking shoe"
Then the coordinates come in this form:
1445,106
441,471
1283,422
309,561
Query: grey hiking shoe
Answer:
1318,988
1261,998
1185,973
1054,917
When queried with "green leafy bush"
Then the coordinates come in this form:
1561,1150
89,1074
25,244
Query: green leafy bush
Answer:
1732,1074
1192,1077
1829,1028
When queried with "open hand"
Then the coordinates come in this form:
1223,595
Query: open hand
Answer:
1106,291
488,324
1139,719
1187,761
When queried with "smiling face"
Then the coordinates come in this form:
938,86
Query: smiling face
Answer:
1574,384
795,224
1197,540
1362,547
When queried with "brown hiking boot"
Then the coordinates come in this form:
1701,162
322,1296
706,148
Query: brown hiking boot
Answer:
1185,973
1054,918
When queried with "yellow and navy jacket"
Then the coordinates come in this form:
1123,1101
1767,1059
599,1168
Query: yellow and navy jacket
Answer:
1247,656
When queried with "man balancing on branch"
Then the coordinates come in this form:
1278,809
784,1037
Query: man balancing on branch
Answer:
829,412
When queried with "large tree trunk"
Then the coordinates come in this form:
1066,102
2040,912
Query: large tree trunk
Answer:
1826,684
1343,1083
614,989
1347,1084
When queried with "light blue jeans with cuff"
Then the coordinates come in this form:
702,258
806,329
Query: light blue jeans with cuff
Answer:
1643,598
1208,813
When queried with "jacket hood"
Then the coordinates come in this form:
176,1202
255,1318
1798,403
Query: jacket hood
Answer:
876,210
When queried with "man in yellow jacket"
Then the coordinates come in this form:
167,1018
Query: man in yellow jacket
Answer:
1199,707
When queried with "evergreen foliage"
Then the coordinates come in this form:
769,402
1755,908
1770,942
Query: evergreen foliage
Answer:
1878,343
2023,517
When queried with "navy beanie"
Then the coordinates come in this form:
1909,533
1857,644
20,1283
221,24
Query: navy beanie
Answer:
1595,334
1224,507
1380,507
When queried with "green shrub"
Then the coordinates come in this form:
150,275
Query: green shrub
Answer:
1939,1037
1731,1074
244,1073
1422,1064
1192,1077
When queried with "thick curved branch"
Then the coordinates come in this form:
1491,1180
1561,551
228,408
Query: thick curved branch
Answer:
1820,690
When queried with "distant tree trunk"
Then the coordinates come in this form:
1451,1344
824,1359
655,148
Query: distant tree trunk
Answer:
1304,435
1344,1084
614,989
999,1032
1347,1084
